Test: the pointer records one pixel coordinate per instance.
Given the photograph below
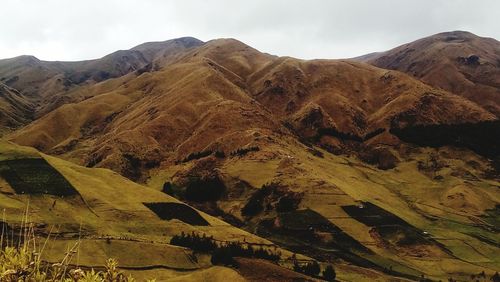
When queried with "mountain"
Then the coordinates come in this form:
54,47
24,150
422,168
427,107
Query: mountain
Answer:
460,62
165,115
48,83
380,172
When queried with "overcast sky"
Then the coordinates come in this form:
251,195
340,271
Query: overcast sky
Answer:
87,29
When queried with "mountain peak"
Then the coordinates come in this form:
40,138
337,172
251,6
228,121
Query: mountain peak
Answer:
25,59
461,33
458,61
227,42
186,42
456,36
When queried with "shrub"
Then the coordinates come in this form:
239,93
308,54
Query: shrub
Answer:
194,242
23,263
255,204
288,203
267,196
382,157
167,188
310,268
222,254
205,189
21,260
316,152
495,277
329,273
220,154
197,155
243,151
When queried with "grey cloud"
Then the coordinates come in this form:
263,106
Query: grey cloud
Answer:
75,30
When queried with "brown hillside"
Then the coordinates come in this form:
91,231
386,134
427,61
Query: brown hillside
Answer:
49,82
15,109
459,61
225,95
326,158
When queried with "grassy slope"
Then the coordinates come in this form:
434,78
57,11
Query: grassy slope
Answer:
449,210
406,192
185,108
111,206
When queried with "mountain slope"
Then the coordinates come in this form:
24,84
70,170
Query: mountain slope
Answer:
324,157
182,109
15,109
110,216
458,61
48,82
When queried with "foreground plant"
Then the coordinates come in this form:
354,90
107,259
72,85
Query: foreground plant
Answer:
19,264
20,260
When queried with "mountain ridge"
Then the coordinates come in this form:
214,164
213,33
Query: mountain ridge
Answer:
460,62
298,152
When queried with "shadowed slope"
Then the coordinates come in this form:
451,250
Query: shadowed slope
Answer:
15,109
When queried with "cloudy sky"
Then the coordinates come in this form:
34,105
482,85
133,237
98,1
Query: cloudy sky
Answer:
86,29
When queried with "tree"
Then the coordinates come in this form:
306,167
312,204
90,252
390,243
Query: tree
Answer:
222,256
288,203
312,269
434,164
205,189
315,268
329,273
220,154
297,267
495,277
253,207
167,188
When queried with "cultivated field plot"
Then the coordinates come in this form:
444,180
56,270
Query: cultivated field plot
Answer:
185,213
389,226
35,176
